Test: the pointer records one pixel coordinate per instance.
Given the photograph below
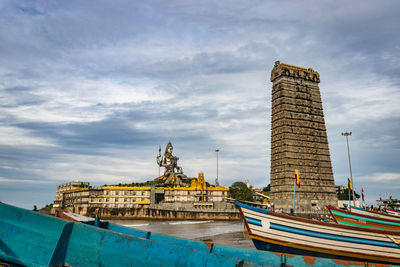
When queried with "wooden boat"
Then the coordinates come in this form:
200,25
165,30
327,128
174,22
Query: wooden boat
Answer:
374,213
284,233
29,238
362,218
392,212
254,255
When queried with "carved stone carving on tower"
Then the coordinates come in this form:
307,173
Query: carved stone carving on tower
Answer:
299,141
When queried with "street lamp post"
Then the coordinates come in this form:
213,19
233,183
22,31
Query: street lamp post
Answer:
347,134
216,180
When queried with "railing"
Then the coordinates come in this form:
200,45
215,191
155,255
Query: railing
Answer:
323,212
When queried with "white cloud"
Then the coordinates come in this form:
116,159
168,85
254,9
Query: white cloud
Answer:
14,136
83,100
24,181
360,100
382,177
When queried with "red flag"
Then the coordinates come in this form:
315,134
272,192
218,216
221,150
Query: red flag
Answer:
362,194
297,177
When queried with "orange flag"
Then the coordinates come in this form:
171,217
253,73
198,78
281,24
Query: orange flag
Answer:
297,177
349,184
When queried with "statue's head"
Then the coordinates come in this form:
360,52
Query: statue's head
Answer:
169,148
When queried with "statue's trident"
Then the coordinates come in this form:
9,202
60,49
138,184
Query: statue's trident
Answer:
158,159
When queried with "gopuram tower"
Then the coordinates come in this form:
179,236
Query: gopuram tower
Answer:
299,141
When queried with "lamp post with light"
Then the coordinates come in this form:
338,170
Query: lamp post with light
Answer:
216,180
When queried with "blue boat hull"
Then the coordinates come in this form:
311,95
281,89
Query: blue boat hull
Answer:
31,239
261,245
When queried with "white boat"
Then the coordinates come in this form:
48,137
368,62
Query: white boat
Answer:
289,234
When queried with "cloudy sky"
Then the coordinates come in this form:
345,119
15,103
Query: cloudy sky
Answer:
89,90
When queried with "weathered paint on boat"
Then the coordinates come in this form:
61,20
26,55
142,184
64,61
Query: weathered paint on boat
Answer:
274,259
365,219
31,239
284,233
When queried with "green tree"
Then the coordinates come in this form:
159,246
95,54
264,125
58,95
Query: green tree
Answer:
48,207
391,203
267,188
240,191
344,194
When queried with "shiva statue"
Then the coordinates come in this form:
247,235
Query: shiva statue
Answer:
173,173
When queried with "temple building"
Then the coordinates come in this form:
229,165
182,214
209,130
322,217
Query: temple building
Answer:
299,141
172,191
197,195
58,202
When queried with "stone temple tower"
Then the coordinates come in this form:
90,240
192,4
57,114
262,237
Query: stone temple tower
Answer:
299,141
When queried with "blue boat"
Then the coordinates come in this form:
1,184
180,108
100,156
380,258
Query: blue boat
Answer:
29,238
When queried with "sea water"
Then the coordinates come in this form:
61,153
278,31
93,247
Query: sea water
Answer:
184,229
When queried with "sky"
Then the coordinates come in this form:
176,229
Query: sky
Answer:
89,90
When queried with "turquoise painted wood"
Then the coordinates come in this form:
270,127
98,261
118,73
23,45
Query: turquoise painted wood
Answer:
28,238
360,216
32,239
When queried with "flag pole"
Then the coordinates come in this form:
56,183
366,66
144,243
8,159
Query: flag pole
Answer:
348,189
294,195
362,196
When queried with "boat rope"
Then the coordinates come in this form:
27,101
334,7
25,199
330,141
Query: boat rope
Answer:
394,240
